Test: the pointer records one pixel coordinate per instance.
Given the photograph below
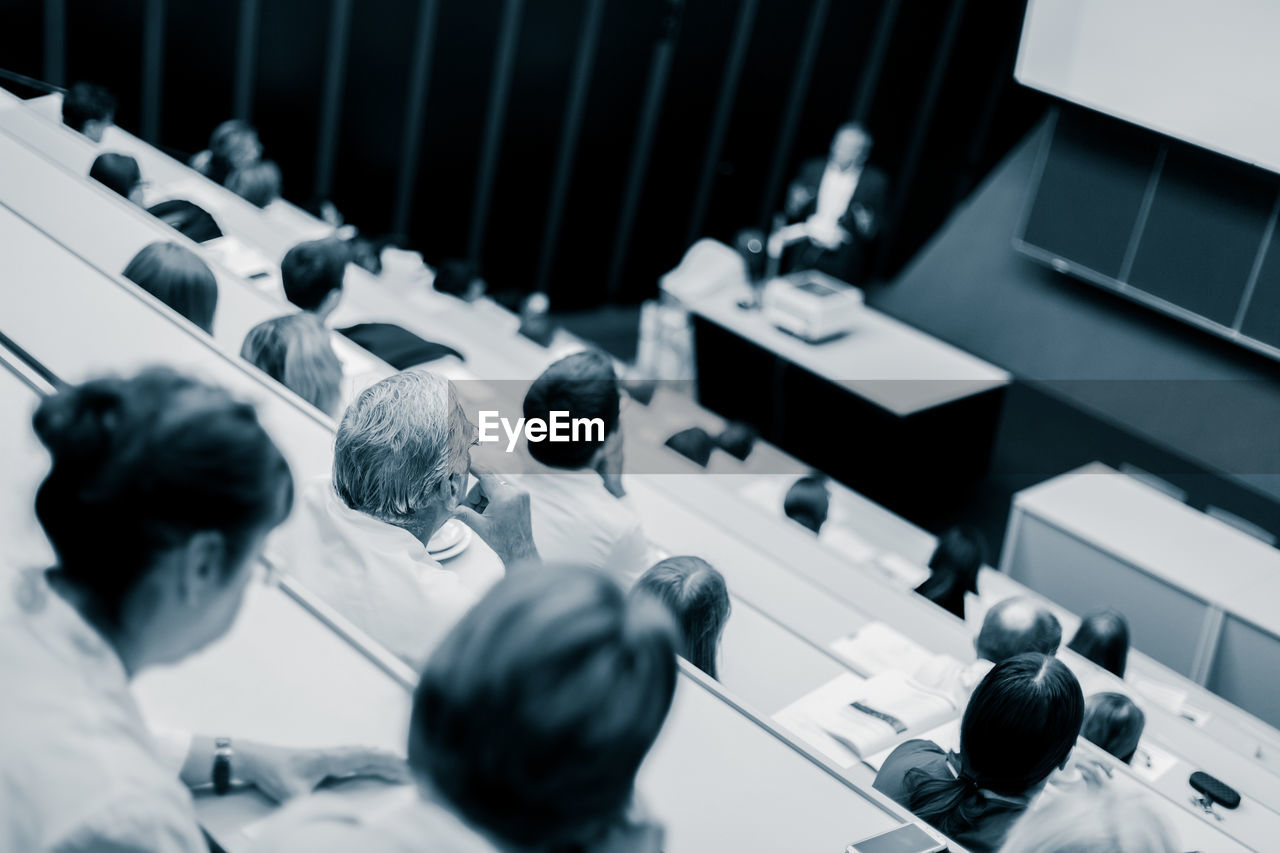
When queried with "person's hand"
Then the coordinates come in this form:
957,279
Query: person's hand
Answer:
863,220
827,236
282,773
797,199
499,513
1095,773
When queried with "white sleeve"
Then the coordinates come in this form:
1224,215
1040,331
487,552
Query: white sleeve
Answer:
133,824
172,746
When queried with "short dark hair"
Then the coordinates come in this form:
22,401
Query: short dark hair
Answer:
117,172
258,183
1114,723
584,385
1020,724
955,563
139,466
1103,637
86,102
455,276
311,271
187,218
695,594
178,278
535,712
1016,626
807,502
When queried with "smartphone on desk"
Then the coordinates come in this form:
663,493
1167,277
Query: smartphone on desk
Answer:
904,839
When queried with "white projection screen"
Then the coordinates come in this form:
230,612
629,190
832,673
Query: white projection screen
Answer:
1204,71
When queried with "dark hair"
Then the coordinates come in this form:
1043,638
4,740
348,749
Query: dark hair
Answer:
86,102
455,276
808,501
142,464
223,143
311,271
1015,626
187,218
534,714
585,386
1103,637
118,172
696,596
179,279
258,183
1113,722
1021,723
955,563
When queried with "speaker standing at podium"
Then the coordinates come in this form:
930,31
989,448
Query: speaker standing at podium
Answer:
840,200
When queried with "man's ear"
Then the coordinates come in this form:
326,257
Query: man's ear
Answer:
202,567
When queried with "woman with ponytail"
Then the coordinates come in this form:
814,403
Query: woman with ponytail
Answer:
159,496
1020,725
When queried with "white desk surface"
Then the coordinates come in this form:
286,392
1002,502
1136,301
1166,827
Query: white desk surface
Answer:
1161,536
889,363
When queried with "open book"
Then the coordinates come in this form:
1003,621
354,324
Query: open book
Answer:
850,718
877,648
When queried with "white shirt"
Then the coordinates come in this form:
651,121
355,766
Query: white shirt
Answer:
376,574
402,823
577,520
78,769
948,675
835,192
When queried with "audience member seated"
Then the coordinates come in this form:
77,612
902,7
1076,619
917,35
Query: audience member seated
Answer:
1091,822
1012,627
1020,726
179,279
359,541
233,145
528,727
312,274
257,183
89,109
694,444
737,439
837,204
696,596
460,278
1103,637
120,174
187,218
808,501
296,351
579,507
1113,722
160,494
955,564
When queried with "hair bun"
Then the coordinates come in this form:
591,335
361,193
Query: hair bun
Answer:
78,425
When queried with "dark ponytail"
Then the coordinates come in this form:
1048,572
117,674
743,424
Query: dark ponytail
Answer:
141,464
1021,723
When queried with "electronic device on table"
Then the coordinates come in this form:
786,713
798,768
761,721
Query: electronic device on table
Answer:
812,305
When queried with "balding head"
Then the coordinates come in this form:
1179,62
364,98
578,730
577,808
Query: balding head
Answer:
1016,626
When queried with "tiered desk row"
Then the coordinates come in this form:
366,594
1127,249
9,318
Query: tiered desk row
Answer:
795,595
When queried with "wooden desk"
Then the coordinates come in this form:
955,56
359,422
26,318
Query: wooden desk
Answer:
1199,594
884,408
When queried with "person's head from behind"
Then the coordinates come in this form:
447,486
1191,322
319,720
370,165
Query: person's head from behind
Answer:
312,273
808,501
178,278
851,146
187,218
403,452
120,174
257,183
696,596
88,108
460,278
296,351
1020,725
233,145
1114,723
579,386
959,555
1103,637
1016,626
160,494
1091,822
534,714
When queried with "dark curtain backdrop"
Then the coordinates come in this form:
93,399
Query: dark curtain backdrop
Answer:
943,109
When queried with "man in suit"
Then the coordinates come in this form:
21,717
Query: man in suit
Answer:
840,202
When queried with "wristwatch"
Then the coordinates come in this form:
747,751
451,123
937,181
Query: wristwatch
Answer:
222,753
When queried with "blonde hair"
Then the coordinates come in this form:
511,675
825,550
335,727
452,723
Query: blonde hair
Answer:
296,351
1086,822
